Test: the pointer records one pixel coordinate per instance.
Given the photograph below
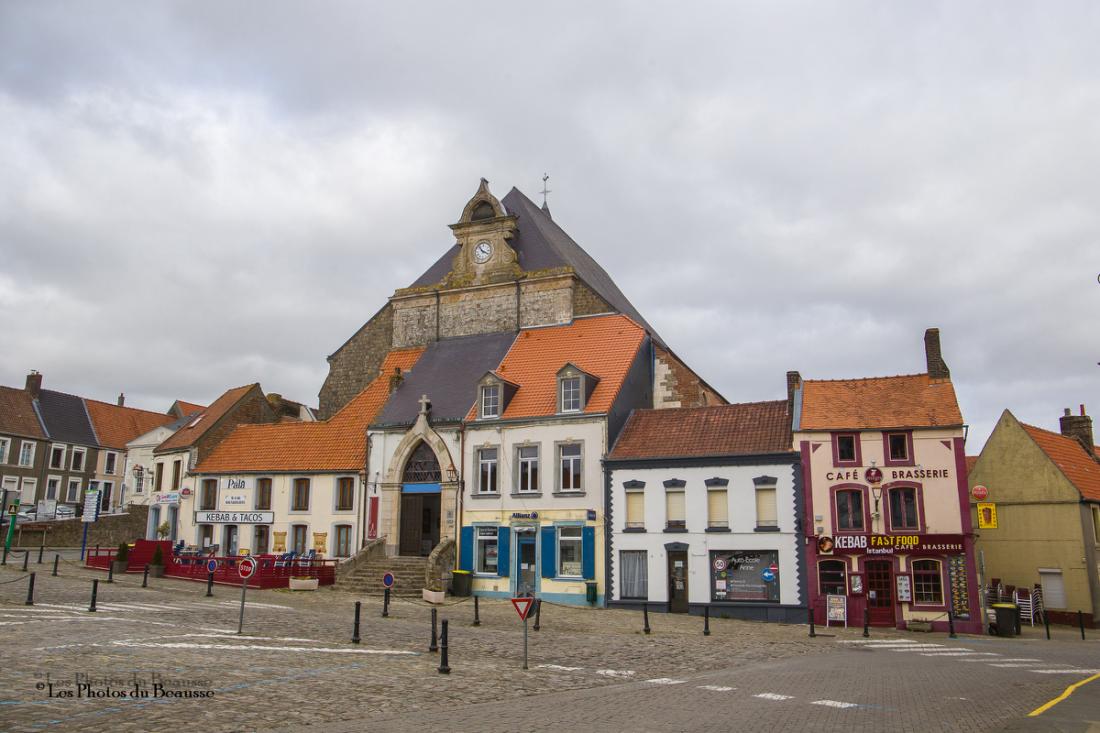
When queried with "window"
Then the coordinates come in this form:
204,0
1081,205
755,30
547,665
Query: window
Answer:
847,448
30,488
105,496
927,584
53,488
11,484
57,457
849,510
158,476
5,444
528,468
570,467
78,460
487,471
569,552
745,575
26,454
897,446
635,509
345,493
263,493
571,394
206,535
342,545
109,463
766,514
634,572
674,510
209,498
260,539
903,508
717,509
486,552
300,502
299,538
490,400
139,482
177,467
831,578
74,490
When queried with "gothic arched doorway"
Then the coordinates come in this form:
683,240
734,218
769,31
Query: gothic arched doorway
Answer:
421,489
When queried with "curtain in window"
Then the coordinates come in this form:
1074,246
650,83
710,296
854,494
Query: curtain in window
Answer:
634,574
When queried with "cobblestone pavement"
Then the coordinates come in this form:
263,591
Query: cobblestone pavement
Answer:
295,667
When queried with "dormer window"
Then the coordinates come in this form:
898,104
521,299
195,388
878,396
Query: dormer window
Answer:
574,388
493,395
490,401
571,394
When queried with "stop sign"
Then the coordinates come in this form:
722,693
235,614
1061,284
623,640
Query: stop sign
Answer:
980,492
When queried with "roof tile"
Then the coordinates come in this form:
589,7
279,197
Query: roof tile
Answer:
116,426
910,401
719,430
1071,457
192,431
17,415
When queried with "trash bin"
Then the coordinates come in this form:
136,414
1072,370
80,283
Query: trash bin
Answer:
590,591
1008,619
460,583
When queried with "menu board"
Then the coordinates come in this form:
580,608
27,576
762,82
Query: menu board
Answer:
905,588
960,591
836,609
745,575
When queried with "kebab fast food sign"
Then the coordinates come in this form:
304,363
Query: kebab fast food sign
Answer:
900,544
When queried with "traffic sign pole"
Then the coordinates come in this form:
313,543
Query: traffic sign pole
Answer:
13,513
240,621
525,642
246,568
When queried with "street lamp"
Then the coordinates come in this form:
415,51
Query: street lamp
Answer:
452,474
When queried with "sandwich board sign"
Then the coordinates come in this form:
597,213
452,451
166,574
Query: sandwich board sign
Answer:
836,609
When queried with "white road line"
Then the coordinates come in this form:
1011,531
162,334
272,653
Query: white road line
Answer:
876,641
615,672
949,654
665,681
66,606
34,610
1018,664
1064,671
558,667
773,696
1021,659
260,648
983,654
257,605
834,704
917,648
157,607
716,688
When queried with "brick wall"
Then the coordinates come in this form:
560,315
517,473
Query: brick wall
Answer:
674,385
108,531
357,362
254,408
586,302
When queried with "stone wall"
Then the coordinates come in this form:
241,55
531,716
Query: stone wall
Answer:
482,310
547,301
357,362
414,320
674,385
108,531
586,302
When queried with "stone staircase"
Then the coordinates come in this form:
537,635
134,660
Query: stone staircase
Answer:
366,577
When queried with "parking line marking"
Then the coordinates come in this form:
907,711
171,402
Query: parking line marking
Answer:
1068,691
1064,671
716,688
615,672
665,681
261,648
558,667
773,696
835,704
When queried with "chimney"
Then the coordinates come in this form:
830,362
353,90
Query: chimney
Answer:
122,399
937,368
1078,426
794,381
396,379
34,384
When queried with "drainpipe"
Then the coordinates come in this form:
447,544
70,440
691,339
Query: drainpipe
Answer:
461,489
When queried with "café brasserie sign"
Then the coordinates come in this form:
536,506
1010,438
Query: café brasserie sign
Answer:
902,544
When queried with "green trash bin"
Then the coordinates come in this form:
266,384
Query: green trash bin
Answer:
460,583
1008,619
590,591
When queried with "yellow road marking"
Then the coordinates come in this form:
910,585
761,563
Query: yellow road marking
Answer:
1069,691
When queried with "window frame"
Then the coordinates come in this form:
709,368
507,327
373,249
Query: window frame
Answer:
887,458
866,520
622,582
566,380
204,505
177,474
295,483
60,486
559,540
70,493
939,575
524,465
628,491
676,525
759,525
918,506
486,390
484,534
158,476
482,462
559,481
83,453
857,460
718,525
60,466
341,548
264,484
34,453
338,494
110,463
5,448
294,537
845,571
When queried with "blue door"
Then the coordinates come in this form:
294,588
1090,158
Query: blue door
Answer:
525,574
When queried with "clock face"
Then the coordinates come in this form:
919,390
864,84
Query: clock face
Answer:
482,252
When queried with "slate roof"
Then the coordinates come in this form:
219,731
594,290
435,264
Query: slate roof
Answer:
192,431
1082,469
541,244
65,418
754,428
447,372
603,346
909,401
336,444
17,414
116,426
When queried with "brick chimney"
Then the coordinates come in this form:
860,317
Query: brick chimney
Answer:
122,399
794,381
1078,426
34,384
937,368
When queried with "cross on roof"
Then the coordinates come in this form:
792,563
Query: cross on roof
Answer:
545,190
425,404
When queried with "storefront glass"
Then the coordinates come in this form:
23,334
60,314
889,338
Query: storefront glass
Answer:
745,575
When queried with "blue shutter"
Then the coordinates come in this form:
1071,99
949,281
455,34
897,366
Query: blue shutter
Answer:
504,542
466,549
549,552
588,553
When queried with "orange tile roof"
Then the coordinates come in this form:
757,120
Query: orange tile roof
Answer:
336,444
116,426
910,401
17,415
192,431
970,461
603,346
189,408
1070,456
719,430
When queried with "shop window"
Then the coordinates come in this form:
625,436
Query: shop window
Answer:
490,401
849,510
487,471
717,509
345,493
209,498
528,464
570,458
342,545
675,518
927,583
766,515
635,509
745,575
846,449
300,500
903,509
263,493
569,552
634,574
832,578
486,550
299,538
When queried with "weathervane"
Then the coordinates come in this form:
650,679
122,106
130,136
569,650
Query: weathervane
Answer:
545,190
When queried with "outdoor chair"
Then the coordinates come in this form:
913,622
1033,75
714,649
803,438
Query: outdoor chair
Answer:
1025,601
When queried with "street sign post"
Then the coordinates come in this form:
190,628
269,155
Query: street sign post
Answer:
13,514
211,565
523,607
246,568
91,513
387,580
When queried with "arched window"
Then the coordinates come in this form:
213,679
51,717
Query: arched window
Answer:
832,577
422,466
484,210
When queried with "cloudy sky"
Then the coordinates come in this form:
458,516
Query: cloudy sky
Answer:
199,195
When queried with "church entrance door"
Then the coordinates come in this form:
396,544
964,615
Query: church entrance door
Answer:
419,523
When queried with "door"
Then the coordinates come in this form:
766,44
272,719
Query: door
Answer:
154,522
677,581
429,523
880,592
105,497
259,540
412,522
525,564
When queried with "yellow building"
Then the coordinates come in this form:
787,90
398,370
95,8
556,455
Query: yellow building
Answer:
1039,519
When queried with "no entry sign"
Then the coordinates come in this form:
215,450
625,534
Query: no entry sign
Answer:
523,606
246,568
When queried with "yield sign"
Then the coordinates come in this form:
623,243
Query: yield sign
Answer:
523,606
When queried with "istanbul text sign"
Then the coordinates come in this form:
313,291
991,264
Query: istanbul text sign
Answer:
234,517
889,544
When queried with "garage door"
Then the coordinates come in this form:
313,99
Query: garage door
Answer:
1054,588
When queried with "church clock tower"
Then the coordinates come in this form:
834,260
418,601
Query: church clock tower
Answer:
483,232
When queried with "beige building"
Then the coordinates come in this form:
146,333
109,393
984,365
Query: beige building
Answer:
1039,516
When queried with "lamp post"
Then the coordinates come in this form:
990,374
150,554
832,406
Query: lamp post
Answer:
874,477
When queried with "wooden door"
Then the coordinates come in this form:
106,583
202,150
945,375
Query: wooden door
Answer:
411,523
880,592
677,581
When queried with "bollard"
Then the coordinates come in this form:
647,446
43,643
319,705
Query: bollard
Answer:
1081,624
444,668
866,622
1046,623
95,590
30,591
145,577
538,613
645,615
111,571
56,559
385,603
477,616
40,551
813,632
5,560
434,645
951,625
706,620
355,628
26,557
210,585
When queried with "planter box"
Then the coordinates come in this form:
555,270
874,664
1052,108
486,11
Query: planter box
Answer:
924,626
304,583
434,596
156,571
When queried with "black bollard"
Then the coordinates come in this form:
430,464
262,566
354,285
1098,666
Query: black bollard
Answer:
145,577
813,632
5,560
355,628
1081,624
95,590
444,668
385,603
866,622
26,557
951,625
706,620
210,585
111,571
40,551
1046,623
477,616
434,645
538,613
56,559
645,616
30,591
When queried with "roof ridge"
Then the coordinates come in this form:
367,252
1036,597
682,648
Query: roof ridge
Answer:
710,407
127,407
871,379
